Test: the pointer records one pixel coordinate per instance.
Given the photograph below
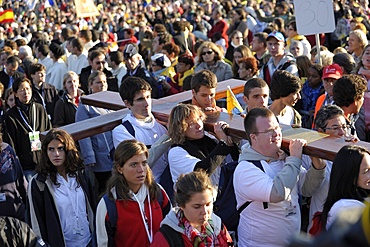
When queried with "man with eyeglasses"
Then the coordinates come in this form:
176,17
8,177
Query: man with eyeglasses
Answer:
97,63
267,183
329,120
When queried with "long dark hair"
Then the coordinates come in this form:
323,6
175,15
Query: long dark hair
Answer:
344,177
72,163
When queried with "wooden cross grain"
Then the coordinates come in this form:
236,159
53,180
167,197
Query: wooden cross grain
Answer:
319,145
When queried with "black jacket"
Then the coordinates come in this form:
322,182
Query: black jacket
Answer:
42,213
16,131
65,110
147,76
4,78
47,96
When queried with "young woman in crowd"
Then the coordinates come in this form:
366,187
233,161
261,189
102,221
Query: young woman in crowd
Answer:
60,196
242,51
193,223
349,182
9,99
97,151
193,148
23,124
210,57
134,206
248,68
66,106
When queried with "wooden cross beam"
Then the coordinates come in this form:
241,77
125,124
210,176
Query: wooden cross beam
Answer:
112,101
319,145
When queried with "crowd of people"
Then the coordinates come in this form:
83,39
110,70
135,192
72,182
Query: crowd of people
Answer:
145,184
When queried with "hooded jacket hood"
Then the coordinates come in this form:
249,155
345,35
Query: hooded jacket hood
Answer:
172,221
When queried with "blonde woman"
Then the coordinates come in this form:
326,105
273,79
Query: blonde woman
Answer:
211,58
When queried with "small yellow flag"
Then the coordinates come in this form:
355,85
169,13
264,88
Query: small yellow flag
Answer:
231,101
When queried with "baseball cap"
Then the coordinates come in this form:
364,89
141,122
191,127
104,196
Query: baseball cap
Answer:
161,60
130,51
333,71
277,35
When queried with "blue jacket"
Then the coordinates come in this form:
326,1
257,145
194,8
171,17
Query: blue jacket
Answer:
97,149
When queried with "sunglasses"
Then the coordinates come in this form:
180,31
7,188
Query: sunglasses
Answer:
207,52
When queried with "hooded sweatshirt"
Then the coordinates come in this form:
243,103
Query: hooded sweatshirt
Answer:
278,185
172,221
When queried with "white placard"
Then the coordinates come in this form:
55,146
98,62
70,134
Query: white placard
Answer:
314,16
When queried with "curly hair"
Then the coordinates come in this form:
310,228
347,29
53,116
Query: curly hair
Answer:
125,151
177,121
284,83
348,89
72,163
213,47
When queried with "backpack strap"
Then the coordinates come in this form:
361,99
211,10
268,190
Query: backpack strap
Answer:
129,127
285,65
266,74
258,164
131,130
112,212
174,238
112,209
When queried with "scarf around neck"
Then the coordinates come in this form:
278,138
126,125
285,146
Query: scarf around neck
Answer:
204,238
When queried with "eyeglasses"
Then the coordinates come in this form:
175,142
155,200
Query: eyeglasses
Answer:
337,127
270,132
207,52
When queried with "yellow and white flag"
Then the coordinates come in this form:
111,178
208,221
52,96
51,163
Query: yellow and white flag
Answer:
231,101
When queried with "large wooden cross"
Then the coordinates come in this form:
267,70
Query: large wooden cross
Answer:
319,145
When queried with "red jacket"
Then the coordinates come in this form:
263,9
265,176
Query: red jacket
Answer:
160,241
130,230
220,27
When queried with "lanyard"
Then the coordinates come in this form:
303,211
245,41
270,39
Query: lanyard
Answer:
34,118
144,218
41,97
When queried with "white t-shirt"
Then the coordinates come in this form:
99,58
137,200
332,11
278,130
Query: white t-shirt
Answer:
343,204
288,117
318,199
147,133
